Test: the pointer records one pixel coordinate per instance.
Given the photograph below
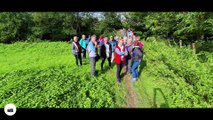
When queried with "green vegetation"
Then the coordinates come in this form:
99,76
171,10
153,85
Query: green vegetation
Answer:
180,78
44,75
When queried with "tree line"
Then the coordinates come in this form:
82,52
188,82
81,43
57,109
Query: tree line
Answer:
188,27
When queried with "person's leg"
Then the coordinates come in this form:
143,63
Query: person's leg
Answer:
102,63
79,57
118,72
109,62
124,65
129,65
92,62
76,59
134,71
121,67
112,57
84,53
94,67
137,75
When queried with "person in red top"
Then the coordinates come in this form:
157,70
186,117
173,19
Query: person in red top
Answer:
120,58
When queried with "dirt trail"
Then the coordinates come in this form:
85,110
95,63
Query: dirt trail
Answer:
131,94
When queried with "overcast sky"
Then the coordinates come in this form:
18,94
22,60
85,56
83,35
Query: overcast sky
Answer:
99,15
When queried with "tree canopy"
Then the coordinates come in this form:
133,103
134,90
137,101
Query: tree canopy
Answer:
61,26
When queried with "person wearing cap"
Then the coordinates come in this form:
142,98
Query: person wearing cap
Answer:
113,44
120,58
136,58
106,52
83,44
76,50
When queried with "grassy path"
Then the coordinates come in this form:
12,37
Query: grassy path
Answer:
131,94
147,92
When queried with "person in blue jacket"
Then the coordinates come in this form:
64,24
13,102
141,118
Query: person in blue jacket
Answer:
93,53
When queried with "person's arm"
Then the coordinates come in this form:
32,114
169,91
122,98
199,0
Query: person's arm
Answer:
119,52
73,47
140,53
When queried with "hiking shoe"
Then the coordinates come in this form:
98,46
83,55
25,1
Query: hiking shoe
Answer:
133,79
118,81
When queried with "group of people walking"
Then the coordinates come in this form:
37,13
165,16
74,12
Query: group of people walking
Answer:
123,51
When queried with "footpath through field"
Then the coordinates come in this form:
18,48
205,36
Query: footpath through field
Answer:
131,94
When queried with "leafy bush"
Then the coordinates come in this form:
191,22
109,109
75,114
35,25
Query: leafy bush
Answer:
189,79
152,38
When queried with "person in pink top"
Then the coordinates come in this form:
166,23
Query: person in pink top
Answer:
101,40
140,43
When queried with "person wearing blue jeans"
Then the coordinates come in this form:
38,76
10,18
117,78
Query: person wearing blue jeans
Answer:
135,70
136,58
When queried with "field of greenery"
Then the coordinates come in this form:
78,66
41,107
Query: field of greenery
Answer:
40,75
44,75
